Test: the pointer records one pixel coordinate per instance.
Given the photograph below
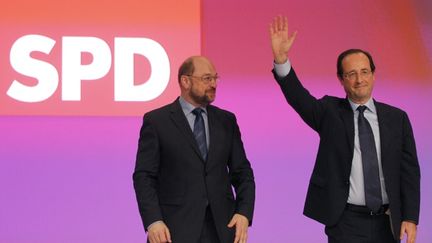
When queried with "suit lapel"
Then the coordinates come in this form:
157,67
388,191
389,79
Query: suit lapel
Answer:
213,127
182,124
348,120
347,117
383,123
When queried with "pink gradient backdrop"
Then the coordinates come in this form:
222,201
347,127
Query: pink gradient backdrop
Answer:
69,179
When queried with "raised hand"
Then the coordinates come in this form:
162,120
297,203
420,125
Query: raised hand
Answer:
281,42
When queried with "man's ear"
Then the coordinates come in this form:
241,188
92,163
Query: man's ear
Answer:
185,82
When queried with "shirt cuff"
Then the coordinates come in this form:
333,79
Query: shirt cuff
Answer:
282,70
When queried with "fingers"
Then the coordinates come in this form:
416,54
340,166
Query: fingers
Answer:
241,236
153,238
285,23
168,235
281,41
280,23
156,238
410,229
274,25
271,29
411,236
241,224
159,233
161,236
241,233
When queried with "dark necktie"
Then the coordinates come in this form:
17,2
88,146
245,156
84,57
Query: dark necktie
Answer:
199,132
370,162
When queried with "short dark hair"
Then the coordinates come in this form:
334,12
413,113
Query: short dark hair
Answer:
187,68
349,52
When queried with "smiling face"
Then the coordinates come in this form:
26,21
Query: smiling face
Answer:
358,78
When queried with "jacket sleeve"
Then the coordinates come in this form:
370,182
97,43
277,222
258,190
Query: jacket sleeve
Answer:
410,175
241,176
146,172
307,106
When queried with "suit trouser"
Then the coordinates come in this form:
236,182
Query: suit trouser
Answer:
208,232
359,226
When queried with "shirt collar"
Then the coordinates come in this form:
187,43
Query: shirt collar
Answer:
369,104
188,107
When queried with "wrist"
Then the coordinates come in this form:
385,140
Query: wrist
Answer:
154,223
280,59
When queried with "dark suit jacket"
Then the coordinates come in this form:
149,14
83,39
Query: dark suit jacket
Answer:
174,184
332,119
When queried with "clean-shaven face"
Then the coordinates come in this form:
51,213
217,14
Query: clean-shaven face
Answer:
357,79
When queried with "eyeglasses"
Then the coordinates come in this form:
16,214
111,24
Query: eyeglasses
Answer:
206,78
353,75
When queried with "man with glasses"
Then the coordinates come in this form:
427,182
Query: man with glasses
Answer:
190,155
365,185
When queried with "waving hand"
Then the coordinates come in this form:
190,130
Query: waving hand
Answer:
280,40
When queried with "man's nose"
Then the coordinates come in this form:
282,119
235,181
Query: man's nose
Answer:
213,83
359,79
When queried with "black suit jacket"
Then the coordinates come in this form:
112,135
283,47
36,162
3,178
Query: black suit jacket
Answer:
332,119
174,184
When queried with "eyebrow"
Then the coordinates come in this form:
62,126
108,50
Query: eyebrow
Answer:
363,69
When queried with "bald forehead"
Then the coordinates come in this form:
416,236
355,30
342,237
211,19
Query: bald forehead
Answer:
202,65
201,60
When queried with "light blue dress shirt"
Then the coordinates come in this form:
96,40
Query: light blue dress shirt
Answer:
187,110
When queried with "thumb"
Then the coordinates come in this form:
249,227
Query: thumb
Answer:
292,38
294,35
402,232
232,223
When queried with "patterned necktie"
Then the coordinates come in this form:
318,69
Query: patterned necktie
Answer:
370,162
199,132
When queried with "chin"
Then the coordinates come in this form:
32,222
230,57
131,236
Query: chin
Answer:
211,98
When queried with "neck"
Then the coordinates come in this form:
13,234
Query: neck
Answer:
191,101
359,101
